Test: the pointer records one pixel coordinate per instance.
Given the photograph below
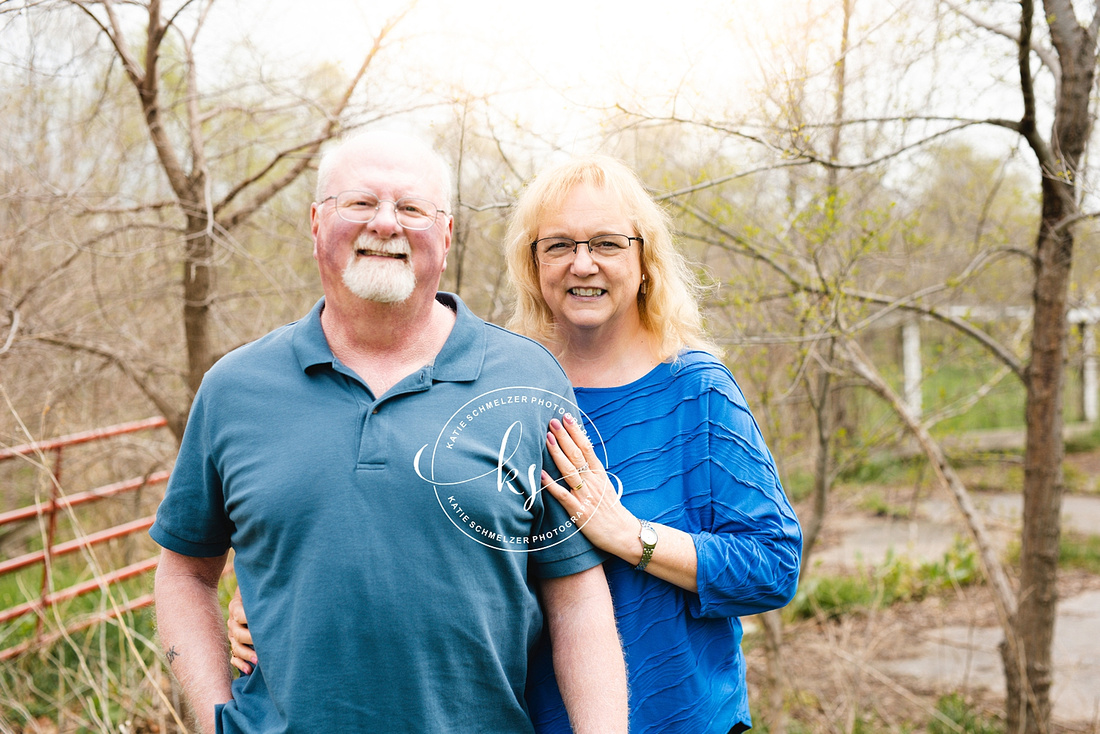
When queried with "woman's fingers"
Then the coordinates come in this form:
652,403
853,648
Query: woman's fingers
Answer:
241,665
571,450
237,622
240,643
559,493
586,499
239,632
240,636
244,657
571,501
587,455
564,454
579,503
573,428
236,608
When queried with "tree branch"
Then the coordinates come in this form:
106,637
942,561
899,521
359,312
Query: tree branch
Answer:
310,148
13,331
1045,57
118,41
199,177
908,303
146,83
163,404
804,156
1023,59
991,564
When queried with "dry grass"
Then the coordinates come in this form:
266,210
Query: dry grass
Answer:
836,675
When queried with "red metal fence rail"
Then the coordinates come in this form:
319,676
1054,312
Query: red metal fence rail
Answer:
47,514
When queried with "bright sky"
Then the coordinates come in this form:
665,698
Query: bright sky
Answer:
558,69
564,55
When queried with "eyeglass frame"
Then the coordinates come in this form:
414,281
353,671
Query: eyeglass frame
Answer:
378,207
577,243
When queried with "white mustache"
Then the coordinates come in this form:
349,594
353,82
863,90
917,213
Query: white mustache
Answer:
370,244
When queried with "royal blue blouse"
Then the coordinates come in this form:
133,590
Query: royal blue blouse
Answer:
690,455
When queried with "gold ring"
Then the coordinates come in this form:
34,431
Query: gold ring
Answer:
579,486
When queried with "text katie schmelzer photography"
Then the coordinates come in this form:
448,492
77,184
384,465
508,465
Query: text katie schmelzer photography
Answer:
501,421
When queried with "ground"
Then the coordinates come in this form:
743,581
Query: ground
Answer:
891,666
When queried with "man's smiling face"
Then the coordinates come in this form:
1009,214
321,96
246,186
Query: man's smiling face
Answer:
380,260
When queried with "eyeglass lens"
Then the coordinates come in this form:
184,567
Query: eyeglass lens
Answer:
362,207
604,247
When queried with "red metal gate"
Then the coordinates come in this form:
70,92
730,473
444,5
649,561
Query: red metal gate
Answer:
46,514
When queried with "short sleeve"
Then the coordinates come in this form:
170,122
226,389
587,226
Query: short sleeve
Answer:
191,520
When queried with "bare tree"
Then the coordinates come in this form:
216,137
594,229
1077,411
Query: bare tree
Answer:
216,182
1068,58
1072,60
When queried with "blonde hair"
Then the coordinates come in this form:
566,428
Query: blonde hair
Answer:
669,308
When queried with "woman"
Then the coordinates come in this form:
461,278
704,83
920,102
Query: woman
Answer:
702,533
702,512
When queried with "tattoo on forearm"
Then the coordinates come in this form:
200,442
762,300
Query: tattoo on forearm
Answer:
172,654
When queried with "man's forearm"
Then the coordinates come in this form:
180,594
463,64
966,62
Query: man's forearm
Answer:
192,633
588,658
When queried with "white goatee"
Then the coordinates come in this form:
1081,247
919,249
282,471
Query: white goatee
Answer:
372,276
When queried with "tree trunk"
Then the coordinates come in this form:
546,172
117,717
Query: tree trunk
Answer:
1028,680
772,623
1043,486
198,287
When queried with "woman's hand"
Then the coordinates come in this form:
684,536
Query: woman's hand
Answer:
591,500
608,525
240,637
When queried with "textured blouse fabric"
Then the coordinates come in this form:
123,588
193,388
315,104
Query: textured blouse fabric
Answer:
690,455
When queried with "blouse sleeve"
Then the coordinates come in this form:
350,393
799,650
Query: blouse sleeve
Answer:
749,556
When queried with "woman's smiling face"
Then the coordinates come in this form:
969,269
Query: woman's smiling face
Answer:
583,293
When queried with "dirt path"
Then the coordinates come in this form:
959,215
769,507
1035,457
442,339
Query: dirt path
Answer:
896,663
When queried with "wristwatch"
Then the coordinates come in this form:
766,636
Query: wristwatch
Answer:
648,536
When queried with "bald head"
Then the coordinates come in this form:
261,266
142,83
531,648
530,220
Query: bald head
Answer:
387,149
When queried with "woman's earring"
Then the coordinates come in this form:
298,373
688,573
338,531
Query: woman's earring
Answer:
645,284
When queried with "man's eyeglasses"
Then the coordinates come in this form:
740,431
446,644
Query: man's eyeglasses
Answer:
555,250
361,207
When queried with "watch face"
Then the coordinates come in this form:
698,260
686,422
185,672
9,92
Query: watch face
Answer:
648,535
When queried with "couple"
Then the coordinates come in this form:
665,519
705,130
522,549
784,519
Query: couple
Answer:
354,461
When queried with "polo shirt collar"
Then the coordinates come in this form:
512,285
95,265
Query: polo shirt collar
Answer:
463,353
460,359
310,345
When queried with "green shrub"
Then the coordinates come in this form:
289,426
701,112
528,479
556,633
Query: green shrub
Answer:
1085,442
898,579
955,709
1079,551
92,679
1076,551
875,504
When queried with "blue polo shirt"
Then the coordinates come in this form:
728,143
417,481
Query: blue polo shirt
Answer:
385,546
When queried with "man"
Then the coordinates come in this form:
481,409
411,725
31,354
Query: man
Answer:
374,468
